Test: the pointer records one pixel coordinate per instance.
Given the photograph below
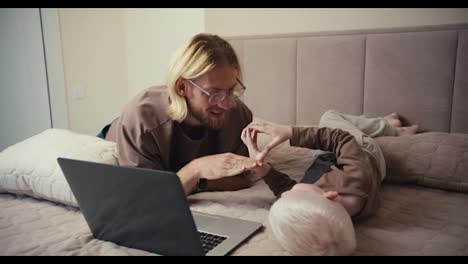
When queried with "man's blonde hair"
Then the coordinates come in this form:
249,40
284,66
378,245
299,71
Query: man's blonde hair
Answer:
310,224
200,55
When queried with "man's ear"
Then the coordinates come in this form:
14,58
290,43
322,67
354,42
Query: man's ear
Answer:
180,87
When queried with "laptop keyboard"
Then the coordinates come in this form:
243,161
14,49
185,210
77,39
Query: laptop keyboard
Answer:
209,241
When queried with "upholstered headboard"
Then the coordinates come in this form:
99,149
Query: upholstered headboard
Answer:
422,73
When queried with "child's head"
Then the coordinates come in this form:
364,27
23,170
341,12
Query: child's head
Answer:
305,222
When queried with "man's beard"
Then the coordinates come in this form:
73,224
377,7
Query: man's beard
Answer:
205,119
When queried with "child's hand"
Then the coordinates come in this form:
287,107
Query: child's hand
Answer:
249,137
280,134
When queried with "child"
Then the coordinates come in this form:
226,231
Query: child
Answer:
306,222
314,216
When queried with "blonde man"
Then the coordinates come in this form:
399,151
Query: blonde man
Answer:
192,125
313,217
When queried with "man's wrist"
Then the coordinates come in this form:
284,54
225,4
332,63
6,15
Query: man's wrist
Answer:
193,169
189,176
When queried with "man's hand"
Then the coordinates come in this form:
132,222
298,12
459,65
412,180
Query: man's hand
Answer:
220,170
223,165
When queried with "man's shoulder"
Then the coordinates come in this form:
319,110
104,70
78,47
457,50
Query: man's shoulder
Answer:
148,108
154,92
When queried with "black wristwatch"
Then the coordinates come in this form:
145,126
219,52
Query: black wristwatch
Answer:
201,184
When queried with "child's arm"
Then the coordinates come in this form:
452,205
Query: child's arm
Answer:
277,181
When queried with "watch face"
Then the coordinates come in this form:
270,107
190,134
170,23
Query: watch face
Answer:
202,182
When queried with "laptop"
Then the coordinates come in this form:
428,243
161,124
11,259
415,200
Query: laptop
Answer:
148,210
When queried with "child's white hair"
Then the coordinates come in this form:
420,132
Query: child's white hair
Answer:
307,223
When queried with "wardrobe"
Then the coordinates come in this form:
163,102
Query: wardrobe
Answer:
32,90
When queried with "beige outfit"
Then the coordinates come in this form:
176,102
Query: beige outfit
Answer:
359,175
363,129
147,137
362,161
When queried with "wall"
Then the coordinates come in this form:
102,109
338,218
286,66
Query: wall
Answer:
112,54
93,47
152,36
255,21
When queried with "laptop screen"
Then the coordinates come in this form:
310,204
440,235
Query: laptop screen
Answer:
134,207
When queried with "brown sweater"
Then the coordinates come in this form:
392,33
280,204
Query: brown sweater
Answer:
360,175
147,137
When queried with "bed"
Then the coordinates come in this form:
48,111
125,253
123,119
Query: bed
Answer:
420,72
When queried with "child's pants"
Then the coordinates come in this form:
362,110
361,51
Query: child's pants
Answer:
363,129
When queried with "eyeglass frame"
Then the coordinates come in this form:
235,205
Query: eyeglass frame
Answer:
224,93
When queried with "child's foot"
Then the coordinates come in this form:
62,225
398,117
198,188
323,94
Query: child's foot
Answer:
406,131
393,119
393,115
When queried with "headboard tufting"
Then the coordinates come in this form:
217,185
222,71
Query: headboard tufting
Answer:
420,72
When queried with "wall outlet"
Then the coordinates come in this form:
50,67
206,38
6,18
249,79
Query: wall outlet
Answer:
79,92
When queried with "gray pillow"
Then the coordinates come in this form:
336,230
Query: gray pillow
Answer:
431,159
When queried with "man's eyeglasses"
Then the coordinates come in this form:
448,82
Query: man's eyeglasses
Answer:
218,97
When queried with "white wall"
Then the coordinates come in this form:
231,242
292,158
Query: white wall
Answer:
112,54
93,47
255,21
152,36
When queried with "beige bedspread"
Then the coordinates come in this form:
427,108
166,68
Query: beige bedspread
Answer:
411,221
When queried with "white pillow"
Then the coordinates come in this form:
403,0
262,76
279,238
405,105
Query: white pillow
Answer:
30,167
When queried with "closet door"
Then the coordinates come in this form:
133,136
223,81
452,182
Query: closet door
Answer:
24,96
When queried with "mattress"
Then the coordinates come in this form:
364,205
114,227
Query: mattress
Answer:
412,220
